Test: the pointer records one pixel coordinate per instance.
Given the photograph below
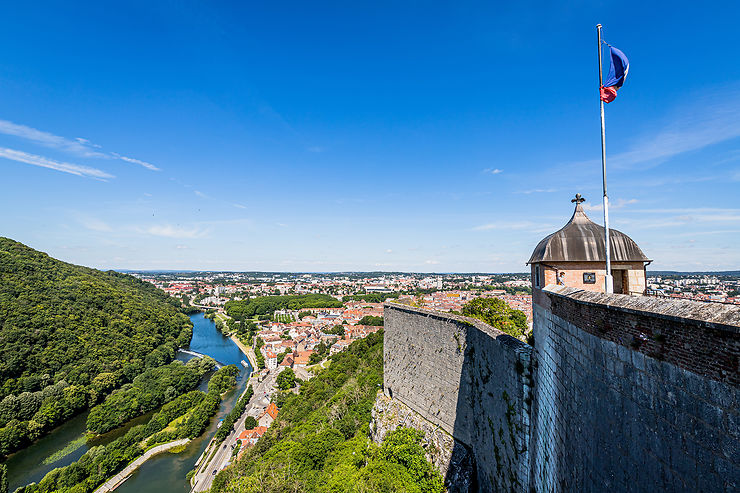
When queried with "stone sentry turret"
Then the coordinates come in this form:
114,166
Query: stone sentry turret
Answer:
574,256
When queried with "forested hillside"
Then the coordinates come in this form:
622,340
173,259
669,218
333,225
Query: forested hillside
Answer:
69,335
320,440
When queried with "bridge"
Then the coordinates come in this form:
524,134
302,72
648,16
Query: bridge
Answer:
219,309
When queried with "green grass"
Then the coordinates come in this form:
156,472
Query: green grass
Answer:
68,449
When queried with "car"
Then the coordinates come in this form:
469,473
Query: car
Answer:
215,471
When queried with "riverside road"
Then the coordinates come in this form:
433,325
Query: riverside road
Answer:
207,470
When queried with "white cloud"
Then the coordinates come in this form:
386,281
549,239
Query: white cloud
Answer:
95,224
136,161
201,194
529,225
431,262
316,149
33,159
389,251
239,206
617,204
77,146
706,121
170,231
493,171
86,142
539,190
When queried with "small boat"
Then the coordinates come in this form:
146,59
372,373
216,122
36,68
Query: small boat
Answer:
219,424
245,364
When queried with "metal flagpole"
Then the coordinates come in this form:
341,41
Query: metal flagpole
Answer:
608,280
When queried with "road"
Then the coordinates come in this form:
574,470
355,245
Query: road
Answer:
257,404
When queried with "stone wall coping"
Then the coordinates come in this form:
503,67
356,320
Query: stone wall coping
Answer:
497,334
720,316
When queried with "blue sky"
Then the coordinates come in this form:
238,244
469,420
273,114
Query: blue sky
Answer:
319,136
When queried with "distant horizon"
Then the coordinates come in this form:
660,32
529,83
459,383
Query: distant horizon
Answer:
170,271
347,271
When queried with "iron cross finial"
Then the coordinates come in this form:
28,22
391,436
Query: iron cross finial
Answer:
578,200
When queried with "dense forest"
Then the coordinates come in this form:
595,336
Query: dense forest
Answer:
148,391
186,416
70,335
266,305
320,440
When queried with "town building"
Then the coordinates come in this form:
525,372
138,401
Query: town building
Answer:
268,415
247,438
271,360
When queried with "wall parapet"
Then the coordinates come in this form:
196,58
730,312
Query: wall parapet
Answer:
700,337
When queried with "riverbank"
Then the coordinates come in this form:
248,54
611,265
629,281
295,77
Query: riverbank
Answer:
246,350
122,476
164,472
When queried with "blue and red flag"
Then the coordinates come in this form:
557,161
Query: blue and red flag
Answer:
618,67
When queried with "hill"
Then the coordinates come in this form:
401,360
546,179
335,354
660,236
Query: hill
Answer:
69,335
320,439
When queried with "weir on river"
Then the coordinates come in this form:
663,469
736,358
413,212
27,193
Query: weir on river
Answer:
199,355
165,472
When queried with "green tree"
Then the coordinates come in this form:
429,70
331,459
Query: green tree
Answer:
497,313
286,379
3,478
336,330
249,423
371,320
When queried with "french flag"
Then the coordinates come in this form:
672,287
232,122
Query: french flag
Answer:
617,73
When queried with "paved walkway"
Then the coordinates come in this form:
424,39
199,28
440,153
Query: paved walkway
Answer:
122,476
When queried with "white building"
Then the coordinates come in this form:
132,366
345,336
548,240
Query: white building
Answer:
270,360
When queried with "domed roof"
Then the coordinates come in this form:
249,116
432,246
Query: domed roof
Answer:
582,240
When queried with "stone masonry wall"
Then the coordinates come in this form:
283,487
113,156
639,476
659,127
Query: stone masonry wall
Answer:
634,394
454,462
468,378
620,393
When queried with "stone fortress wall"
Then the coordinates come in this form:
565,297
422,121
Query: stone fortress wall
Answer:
619,393
468,378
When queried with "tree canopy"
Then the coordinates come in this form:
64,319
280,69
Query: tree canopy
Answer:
266,305
497,313
148,391
320,439
187,416
371,320
371,297
70,335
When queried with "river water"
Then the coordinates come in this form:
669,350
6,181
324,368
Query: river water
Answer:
162,473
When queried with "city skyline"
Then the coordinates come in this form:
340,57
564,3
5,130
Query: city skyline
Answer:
357,138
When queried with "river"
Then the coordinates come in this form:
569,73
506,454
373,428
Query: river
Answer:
162,473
